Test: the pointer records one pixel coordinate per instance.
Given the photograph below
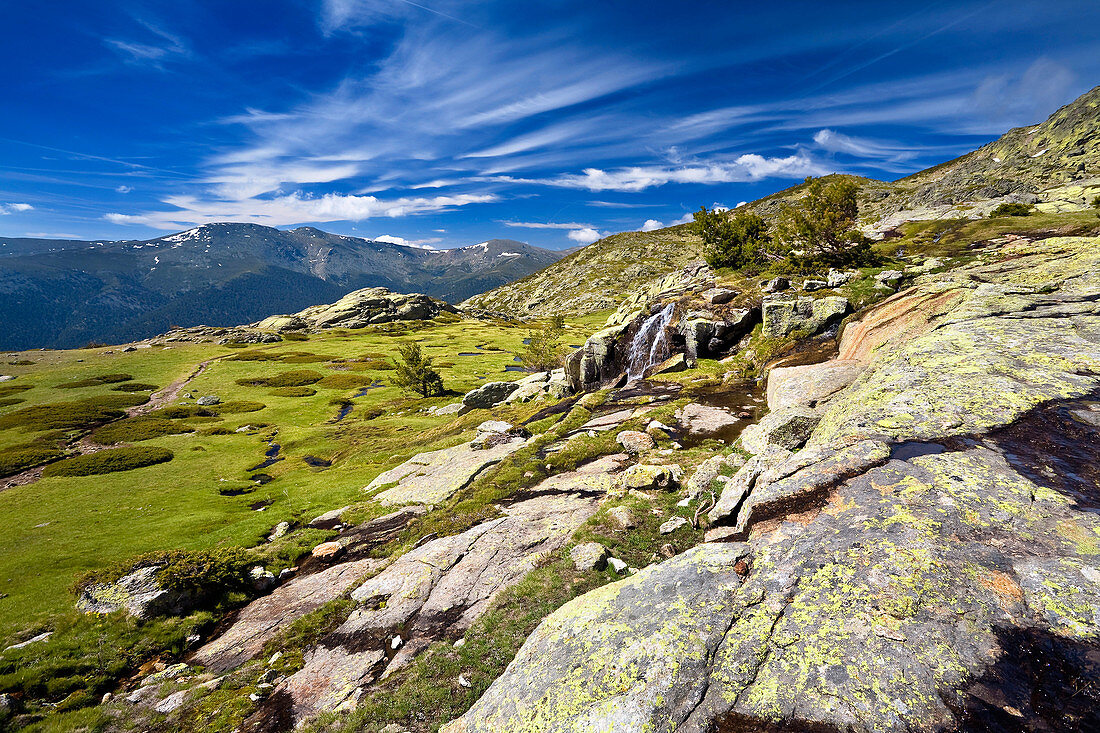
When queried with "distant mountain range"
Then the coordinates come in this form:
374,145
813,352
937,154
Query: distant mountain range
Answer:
66,293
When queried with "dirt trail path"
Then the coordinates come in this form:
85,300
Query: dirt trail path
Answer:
82,445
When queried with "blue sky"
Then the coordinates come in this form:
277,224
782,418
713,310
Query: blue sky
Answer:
445,123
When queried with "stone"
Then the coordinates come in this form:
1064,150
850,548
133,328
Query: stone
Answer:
776,285
38,639
811,285
589,556
675,363
622,517
672,525
787,428
617,565
278,531
704,420
635,442
328,551
889,278
720,534
172,702
494,426
452,409
784,314
208,400
432,477
139,593
810,385
644,477
329,519
718,296
658,430
704,476
737,488
488,395
6,377
525,393
261,578
837,278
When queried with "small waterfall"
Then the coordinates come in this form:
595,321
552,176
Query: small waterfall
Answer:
647,343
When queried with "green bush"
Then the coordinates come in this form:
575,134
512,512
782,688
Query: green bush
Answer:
821,230
1010,210
295,337
544,349
216,430
181,412
20,458
6,390
343,381
302,357
135,387
134,429
293,392
735,241
415,373
71,415
234,407
108,461
9,401
96,381
293,378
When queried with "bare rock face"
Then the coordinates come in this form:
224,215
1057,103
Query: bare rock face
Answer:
783,314
703,420
259,621
429,478
810,385
927,562
434,591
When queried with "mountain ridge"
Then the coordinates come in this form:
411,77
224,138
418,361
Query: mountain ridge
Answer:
64,293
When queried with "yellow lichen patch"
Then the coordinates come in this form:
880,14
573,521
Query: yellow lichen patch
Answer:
1004,586
838,505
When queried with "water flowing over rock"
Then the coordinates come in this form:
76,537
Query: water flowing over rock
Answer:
646,348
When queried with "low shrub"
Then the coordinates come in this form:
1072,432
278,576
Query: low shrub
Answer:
20,458
6,390
9,401
236,406
343,381
181,412
293,392
71,415
134,429
216,430
108,461
96,381
135,387
252,355
302,357
1011,210
295,337
21,362
293,378
369,365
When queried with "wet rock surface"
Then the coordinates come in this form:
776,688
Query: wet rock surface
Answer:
930,560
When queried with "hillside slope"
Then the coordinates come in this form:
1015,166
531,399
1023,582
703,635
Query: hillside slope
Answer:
1054,165
66,293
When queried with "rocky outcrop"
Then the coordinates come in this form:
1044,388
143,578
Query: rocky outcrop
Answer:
432,477
926,562
601,359
783,315
358,309
810,385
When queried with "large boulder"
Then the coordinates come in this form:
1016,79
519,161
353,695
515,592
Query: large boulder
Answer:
489,395
704,420
783,315
788,428
140,593
599,360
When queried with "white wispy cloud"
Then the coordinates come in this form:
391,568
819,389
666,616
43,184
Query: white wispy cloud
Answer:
651,224
744,168
688,217
158,46
575,231
124,189
417,243
588,235
15,208
295,208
